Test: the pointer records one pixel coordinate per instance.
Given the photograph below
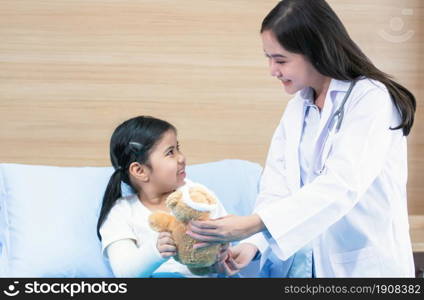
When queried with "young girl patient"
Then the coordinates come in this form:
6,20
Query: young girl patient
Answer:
145,154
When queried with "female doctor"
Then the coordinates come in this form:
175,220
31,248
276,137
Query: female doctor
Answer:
335,176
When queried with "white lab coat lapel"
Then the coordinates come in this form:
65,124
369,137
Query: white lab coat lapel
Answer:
327,109
293,132
294,125
333,96
324,136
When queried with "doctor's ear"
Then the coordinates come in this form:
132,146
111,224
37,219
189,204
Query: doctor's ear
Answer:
139,171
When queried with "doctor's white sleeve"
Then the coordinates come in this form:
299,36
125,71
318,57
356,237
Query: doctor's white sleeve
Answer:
273,184
357,157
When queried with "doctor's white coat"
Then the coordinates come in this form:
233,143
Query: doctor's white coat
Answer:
354,212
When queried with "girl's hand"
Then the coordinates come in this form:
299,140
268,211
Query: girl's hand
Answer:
239,257
166,245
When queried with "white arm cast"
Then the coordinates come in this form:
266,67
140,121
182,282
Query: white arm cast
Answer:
128,260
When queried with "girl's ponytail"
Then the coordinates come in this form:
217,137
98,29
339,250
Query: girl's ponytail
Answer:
112,193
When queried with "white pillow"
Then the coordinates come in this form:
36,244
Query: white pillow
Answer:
48,221
48,214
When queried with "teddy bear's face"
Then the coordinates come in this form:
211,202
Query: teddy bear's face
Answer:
191,203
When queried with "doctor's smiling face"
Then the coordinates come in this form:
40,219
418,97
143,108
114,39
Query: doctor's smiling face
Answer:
293,70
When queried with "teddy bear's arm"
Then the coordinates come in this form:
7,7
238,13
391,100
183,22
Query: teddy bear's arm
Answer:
161,221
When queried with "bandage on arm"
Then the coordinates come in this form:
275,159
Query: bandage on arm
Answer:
128,260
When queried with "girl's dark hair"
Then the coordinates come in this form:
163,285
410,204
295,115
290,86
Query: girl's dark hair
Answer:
132,141
312,28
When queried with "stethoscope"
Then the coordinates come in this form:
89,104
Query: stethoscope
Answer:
337,115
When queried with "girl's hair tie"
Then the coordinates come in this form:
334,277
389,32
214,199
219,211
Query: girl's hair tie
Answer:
136,147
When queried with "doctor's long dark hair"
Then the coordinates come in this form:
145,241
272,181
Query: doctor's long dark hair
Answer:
132,141
312,28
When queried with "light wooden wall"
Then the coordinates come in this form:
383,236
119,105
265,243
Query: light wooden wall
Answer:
71,71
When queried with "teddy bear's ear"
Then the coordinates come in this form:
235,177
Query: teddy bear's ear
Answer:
173,199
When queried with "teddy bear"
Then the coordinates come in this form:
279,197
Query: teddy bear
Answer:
192,201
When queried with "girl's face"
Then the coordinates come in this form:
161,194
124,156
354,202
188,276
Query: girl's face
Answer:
293,70
168,164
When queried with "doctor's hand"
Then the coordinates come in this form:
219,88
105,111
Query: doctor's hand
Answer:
238,257
225,229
